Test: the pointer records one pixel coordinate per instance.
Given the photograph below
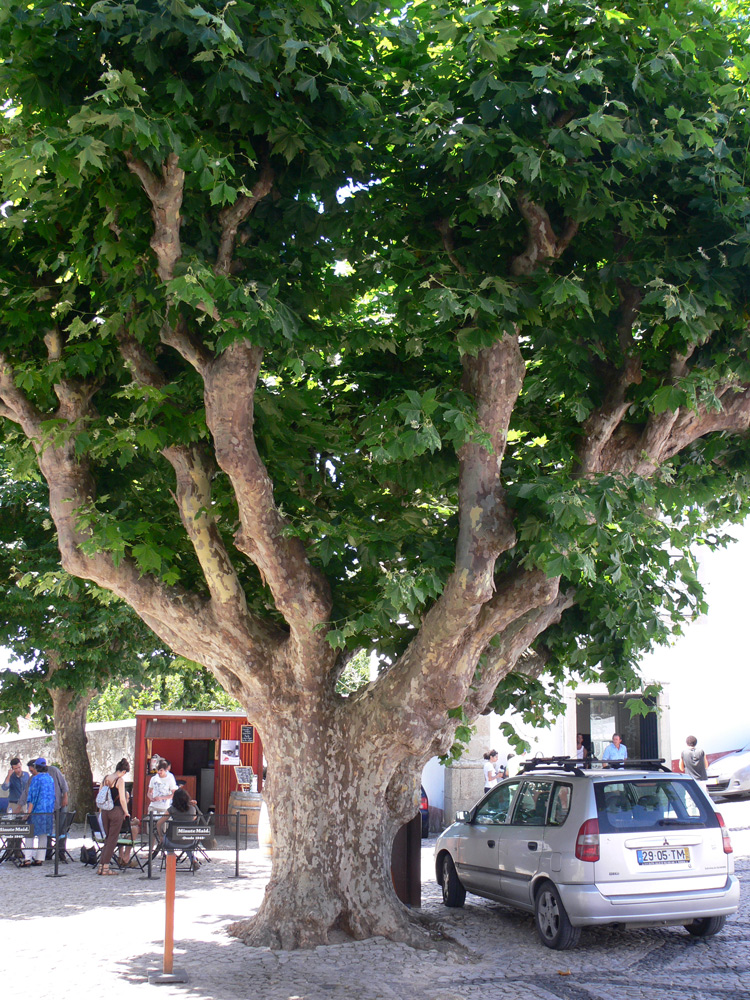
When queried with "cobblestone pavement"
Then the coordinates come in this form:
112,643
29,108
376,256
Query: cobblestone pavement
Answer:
79,936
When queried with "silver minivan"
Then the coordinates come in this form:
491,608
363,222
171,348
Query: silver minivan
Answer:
583,846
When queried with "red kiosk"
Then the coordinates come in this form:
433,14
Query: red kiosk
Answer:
202,748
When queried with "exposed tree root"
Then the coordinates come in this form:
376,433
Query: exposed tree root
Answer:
418,930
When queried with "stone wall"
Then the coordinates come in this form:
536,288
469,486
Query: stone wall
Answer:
464,779
108,742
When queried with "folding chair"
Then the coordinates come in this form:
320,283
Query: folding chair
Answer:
94,823
12,829
126,839
184,839
66,821
200,847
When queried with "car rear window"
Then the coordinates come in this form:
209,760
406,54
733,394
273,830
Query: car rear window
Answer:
651,804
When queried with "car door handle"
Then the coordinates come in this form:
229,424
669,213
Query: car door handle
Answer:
490,843
532,845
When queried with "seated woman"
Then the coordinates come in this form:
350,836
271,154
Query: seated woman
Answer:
181,810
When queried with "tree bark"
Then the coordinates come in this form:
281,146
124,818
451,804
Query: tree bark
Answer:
334,813
69,710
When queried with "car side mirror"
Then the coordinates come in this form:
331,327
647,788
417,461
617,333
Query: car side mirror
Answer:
463,816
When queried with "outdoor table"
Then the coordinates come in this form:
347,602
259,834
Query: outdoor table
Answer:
12,827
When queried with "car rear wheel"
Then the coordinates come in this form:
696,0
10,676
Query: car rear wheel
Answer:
454,893
705,926
552,923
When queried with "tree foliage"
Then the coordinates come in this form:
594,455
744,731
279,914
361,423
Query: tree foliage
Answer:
62,632
177,686
417,329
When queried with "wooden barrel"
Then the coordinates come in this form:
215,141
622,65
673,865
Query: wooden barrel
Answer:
264,831
247,804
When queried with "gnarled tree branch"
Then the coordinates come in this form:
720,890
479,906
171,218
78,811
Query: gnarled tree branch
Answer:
188,623
604,421
512,643
232,217
542,242
165,196
300,592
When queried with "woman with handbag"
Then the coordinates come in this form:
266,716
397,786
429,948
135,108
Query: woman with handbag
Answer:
114,816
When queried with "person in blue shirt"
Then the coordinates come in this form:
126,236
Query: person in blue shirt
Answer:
40,804
16,781
616,753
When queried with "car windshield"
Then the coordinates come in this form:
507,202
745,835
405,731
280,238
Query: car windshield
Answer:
651,804
494,810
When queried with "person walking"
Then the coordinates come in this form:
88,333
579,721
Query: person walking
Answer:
693,760
112,819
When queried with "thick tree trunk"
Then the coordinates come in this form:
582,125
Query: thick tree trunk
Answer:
70,708
333,830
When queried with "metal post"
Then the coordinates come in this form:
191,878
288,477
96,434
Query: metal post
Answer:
237,844
56,850
150,820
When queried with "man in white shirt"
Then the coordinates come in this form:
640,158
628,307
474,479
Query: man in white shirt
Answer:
161,788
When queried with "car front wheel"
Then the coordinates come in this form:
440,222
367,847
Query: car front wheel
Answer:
705,926
454,893
552,923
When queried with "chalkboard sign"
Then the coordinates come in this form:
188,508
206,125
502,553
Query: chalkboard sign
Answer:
244,775
247,734
191,832
18,829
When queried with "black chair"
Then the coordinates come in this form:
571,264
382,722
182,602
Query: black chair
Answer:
184,838
11,843
61,842
96,830
125,839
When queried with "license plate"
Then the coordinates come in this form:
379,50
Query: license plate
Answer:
663,856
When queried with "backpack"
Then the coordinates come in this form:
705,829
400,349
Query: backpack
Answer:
88,855
104,798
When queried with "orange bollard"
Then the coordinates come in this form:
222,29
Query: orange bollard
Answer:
169,924
168,974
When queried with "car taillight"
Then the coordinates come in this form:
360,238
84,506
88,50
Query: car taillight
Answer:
587,842
423,804
726,843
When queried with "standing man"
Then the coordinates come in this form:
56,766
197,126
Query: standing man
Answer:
616,753
61,799
40,802
692,760
581,751
31,764
161,788
15,784
61,786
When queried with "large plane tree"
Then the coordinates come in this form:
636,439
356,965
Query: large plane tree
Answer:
421,330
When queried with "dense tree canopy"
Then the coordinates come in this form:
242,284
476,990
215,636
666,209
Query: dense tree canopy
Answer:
418,329
68,638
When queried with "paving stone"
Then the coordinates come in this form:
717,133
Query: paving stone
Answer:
80,934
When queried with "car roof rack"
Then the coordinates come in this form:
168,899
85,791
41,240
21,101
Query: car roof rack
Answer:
647,764
575,766
571,764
